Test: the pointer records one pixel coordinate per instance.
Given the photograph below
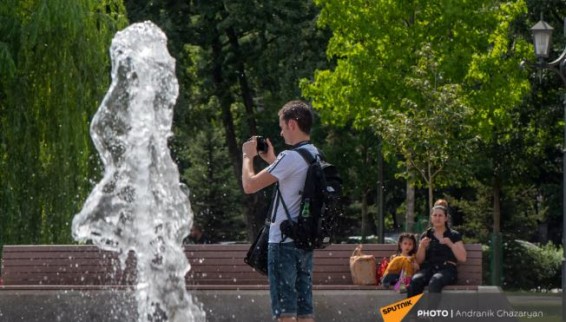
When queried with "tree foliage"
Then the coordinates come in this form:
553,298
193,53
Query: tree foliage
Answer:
54,53
424,107
431,129
240,61
215,201
438,83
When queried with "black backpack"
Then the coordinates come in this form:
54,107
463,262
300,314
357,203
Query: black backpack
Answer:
321,205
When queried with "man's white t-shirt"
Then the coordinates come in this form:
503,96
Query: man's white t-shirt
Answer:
290,169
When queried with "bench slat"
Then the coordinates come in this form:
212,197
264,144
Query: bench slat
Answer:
215,266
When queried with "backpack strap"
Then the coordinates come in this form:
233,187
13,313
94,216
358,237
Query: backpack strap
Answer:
309,158
307,155
279,197
274,201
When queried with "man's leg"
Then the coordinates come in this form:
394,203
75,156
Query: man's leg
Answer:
282,277
305,309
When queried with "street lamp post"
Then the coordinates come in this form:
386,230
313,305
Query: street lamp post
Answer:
542,34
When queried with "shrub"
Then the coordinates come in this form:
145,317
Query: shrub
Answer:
527,266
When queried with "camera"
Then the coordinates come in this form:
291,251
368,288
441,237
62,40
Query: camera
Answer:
261,144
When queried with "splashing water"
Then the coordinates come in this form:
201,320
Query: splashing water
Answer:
139,204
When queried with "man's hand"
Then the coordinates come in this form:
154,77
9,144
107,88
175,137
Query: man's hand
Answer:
252,182
268,156
249,148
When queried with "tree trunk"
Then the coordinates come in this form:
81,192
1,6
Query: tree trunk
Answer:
255,206
430,188
410,202
365,220
245,91
496,204
380,202
496,237
222,91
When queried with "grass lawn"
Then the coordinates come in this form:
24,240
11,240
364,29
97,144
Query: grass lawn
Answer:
534,303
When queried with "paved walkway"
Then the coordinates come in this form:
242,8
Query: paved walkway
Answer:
339,306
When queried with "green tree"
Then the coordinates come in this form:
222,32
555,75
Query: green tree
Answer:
244,58
55,56
430,130
377,46
215,198
496,85
351,150
543,119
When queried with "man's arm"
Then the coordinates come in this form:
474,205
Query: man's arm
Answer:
255,182
251,181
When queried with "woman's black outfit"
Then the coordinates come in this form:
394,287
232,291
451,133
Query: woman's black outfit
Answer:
439,266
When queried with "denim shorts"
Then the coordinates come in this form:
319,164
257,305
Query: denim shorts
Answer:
290,280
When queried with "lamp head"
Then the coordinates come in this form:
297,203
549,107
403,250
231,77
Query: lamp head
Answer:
542,35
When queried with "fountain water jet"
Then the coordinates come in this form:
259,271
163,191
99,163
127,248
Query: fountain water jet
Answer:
139,204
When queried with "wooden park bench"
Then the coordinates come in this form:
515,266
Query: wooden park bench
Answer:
213,267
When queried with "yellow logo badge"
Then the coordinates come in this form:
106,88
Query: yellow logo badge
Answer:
397,311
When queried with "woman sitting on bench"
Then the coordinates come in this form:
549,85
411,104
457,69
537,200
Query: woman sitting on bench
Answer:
440,250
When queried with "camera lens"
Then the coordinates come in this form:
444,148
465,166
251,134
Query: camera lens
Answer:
261,144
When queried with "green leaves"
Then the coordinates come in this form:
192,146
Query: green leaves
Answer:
494,82
57,53
430,77
429,129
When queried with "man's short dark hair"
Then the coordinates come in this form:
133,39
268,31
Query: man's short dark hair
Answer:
299,111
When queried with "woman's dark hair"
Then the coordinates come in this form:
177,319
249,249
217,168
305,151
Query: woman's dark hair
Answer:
299,111
410,237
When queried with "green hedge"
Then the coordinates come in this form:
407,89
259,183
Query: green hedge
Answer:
527,266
